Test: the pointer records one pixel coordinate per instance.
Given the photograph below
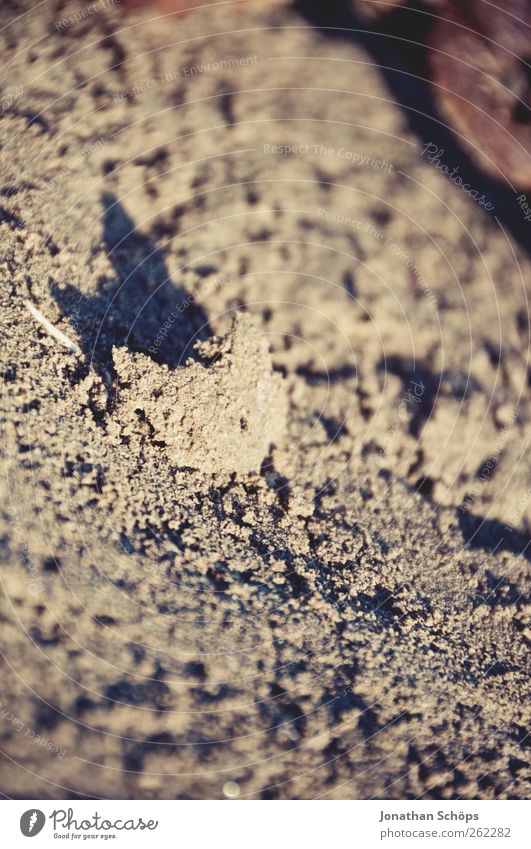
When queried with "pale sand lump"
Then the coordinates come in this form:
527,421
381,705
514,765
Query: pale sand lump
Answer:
219,417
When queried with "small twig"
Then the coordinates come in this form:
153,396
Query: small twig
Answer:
53,331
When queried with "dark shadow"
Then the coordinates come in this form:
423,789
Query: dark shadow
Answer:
422,388
140,307
404,66
276,481
493,536
336,375
498,591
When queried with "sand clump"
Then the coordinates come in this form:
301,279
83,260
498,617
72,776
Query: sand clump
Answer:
218,415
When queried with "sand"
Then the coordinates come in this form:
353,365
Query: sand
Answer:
238,226
220,416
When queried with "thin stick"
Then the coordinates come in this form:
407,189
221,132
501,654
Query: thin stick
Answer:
53,331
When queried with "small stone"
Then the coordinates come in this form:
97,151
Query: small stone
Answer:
231,790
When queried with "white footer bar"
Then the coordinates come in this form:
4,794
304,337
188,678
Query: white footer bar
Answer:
256,825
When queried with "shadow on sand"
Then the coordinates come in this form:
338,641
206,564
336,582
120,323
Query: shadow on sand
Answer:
131,308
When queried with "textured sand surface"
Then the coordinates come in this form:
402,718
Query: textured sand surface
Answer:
222,416
333,598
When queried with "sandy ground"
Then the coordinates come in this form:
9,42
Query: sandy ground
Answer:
285,557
